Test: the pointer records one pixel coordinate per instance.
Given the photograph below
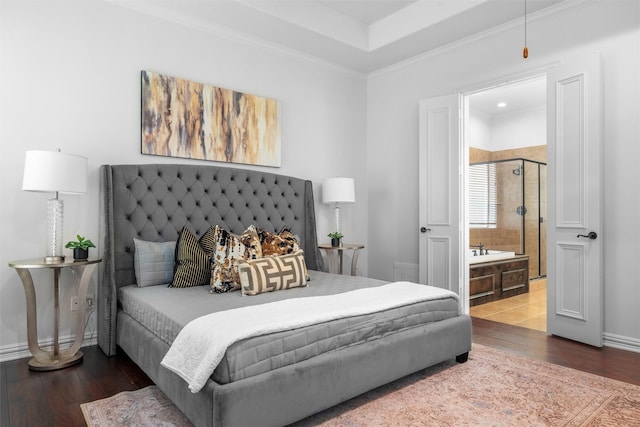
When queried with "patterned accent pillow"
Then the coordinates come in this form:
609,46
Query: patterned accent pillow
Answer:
153,262
193,262
273,273
283,243
250,239
229,251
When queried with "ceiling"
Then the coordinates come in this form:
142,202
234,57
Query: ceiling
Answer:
367,11
524,95
361,35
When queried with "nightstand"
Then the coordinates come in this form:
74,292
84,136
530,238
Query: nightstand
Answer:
48,360
339,251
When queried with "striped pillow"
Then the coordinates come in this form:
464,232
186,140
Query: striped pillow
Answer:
272,273
193,261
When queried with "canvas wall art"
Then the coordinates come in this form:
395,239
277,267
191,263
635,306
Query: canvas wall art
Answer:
181,118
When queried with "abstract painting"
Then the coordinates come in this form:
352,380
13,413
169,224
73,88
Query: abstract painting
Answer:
181,118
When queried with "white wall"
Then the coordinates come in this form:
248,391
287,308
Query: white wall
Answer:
509,130
70,79
479,135
523,128
608,27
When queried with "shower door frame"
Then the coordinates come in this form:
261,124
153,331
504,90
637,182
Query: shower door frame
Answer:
523,236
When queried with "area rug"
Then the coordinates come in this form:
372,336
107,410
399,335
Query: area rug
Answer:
493,388
139,408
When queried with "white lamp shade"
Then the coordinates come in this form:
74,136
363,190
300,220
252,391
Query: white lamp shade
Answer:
338,190
53,171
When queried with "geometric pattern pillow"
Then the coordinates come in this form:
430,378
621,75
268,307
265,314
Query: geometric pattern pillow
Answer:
193,262
283,243
153,262
272,273
229,251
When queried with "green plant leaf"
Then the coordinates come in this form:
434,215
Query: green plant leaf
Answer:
81,243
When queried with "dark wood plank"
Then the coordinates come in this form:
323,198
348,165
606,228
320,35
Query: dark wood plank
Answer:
4,399
54,398
28,405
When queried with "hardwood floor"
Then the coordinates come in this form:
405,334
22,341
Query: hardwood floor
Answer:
36,399
608,362
53,398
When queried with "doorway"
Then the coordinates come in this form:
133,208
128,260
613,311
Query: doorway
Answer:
506,138
574,209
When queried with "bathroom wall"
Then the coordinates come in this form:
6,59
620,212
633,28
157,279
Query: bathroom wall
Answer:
511,234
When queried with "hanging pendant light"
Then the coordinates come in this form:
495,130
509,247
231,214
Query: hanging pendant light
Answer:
525,51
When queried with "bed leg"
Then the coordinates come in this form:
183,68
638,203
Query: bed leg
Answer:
462,357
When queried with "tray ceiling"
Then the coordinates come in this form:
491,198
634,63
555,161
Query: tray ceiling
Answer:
363,35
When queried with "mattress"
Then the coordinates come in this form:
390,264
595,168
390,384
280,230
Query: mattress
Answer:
165,311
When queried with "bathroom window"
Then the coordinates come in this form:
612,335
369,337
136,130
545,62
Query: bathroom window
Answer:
483,210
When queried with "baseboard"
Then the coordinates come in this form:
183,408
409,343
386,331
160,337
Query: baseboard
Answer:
621,342
21,350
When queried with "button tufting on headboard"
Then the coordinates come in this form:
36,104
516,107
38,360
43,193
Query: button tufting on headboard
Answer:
154,202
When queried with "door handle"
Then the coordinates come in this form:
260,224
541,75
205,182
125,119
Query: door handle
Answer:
424,229
592,235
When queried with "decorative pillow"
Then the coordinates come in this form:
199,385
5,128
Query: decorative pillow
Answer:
272,273
193,262
229,251
283,243
153,262
251,241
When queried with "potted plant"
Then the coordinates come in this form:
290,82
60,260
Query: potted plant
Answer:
335,238
80,248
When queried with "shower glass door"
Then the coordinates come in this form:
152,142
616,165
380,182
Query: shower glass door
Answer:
514,211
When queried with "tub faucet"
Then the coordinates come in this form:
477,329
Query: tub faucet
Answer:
480,246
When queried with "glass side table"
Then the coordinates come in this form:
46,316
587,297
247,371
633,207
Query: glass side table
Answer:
49,360
339,250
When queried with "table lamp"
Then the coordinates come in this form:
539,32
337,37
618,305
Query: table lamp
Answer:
338,190
55,172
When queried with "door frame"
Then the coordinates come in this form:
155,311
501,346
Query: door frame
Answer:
584,75
464,197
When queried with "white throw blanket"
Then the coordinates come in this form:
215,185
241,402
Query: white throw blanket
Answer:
202,343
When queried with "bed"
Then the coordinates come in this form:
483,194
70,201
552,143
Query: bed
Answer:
279,377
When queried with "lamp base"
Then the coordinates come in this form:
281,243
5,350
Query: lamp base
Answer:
55,219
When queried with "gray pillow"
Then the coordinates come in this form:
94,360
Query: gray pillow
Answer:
153,262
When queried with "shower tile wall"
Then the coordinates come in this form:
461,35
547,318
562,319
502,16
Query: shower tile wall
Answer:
508,235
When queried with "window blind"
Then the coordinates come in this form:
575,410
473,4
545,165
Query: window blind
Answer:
483,210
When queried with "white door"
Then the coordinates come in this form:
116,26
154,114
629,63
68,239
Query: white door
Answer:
574,264
440,192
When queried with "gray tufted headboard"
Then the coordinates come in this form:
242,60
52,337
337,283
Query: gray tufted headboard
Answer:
155,201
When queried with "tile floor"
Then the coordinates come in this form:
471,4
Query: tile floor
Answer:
527,310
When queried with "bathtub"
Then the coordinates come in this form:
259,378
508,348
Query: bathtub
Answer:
491,256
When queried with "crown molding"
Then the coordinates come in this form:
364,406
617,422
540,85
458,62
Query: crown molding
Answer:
155,10
235,36
507,26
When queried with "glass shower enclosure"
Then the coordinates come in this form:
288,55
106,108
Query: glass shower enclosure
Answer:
507,209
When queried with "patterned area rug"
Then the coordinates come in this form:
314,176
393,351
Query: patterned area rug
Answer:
493,388
139,408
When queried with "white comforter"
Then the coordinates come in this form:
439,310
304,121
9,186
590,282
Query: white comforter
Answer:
202,343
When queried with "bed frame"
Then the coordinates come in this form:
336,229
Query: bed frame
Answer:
154,202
